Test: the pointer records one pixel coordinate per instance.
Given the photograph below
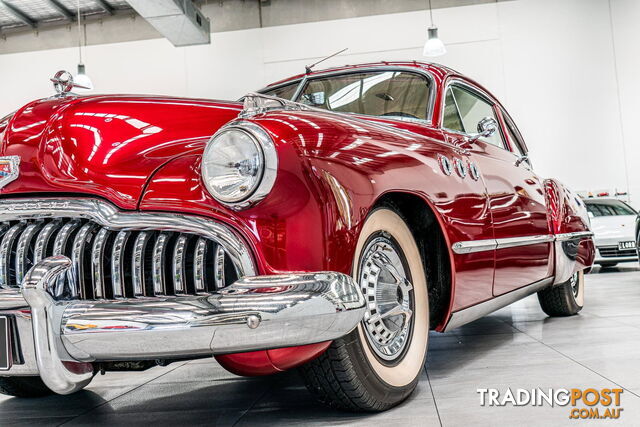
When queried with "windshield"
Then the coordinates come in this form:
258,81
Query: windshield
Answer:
395,94
609,208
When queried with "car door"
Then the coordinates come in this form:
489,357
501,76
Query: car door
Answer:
516,196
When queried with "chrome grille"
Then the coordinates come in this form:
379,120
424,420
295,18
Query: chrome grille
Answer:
614,252
110,263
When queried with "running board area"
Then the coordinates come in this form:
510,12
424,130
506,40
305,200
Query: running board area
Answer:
477,311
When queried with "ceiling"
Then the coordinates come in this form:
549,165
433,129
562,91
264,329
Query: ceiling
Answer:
31,14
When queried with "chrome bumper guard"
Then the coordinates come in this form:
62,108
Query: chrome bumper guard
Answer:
254,313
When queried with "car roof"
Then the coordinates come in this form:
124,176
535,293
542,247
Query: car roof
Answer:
437,69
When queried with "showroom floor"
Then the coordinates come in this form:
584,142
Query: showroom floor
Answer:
517,347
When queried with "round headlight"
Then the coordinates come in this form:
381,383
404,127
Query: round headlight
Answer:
239,165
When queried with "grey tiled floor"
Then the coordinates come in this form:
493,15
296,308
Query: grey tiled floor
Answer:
517,347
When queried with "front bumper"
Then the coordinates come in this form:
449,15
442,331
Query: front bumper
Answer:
60,340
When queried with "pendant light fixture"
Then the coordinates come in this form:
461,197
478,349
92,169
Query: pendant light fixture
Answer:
81,79
434,46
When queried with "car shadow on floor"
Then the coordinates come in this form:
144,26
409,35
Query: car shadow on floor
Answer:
53,407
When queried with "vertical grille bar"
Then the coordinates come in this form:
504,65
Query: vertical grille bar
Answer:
117,264
42,241
77,266
5,253
180,285
22,250
59,246
97,262
218,267
199,275
63,236
138,273
157,267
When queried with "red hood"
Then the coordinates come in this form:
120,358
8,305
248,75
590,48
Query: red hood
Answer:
107,146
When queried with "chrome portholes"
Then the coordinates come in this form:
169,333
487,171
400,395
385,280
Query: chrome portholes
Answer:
460,167
445,165
474,173
389,294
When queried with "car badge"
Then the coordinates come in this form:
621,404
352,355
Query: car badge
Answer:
9,169
63,83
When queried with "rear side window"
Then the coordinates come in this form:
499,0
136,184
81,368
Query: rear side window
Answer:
284,92
387,93
609,208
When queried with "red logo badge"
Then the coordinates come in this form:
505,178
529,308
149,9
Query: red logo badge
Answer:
9,169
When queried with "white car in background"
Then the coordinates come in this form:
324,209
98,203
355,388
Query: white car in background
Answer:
613,225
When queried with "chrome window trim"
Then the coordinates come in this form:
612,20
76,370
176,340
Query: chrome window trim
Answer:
297,81
472,246
482,94
107,215
301,85
381,68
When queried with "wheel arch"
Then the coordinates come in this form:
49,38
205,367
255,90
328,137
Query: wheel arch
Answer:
428,231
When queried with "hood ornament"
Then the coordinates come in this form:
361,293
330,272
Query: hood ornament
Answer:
9,169
63,83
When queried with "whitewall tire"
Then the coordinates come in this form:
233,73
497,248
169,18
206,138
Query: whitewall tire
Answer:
378,365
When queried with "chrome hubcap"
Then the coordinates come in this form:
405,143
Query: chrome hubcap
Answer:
575,285
384,283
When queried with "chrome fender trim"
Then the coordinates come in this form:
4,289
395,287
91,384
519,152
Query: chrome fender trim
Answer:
565,249
471,246
45,315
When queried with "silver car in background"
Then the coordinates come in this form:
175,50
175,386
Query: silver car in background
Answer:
613,225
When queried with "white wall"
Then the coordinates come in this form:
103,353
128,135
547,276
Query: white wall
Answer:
557,65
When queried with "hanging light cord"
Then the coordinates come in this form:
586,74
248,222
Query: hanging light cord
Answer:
431,13
80,33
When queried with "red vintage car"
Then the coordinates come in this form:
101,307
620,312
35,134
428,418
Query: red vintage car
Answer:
327,222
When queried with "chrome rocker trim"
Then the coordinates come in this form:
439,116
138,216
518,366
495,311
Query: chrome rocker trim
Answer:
254,313
477,311
109,216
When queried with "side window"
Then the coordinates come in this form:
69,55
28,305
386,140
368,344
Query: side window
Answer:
471,109
388,93
451,120
284,92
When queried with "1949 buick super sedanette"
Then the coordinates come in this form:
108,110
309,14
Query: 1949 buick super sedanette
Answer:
273,234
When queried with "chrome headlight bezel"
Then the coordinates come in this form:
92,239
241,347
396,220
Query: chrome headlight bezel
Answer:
269,159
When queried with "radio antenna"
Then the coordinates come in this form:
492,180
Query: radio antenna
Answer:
309,67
